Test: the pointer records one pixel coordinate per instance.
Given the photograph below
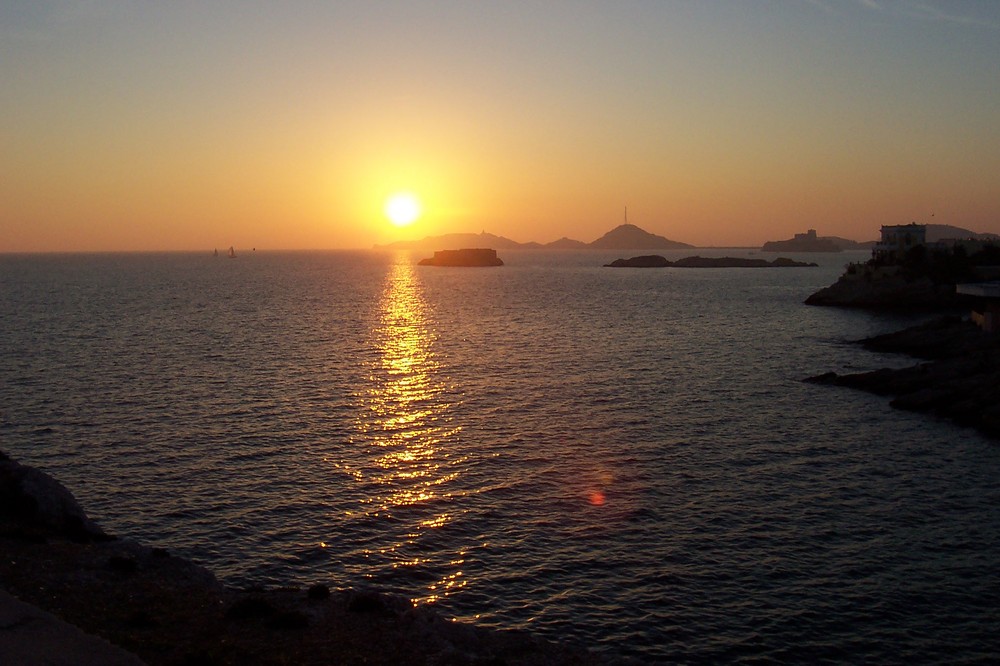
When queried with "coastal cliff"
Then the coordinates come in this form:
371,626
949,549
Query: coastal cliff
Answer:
167,610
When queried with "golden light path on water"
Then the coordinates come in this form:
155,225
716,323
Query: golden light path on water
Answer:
404,423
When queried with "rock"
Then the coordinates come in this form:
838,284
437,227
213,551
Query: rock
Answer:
656,261
250,608
960,383
318,592
122,564
644,261
739,262
367,602
289,620
35,501
891,292
171,611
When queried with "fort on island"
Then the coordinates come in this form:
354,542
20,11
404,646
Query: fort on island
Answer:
807,242
464,257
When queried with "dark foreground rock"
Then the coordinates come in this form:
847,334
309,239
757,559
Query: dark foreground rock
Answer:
656,261
167,610
960,381
893,292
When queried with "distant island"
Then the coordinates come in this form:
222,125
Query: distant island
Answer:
463,257
656,261
623,237
807,242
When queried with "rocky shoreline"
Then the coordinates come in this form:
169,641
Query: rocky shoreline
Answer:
167,610
959,381
892,292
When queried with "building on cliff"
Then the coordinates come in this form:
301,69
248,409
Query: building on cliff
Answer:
898,239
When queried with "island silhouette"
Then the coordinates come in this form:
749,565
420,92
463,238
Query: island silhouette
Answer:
623,237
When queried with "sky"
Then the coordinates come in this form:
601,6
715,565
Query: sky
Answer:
192,124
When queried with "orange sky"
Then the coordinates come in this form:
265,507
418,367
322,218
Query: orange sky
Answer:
186,126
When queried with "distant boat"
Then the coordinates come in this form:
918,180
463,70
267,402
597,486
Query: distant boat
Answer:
232,252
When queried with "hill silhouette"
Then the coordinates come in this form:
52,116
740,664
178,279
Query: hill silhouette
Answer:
622,237
936,232
631,237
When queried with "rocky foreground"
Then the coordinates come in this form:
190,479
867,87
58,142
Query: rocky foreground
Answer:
960,380
892,293
167,610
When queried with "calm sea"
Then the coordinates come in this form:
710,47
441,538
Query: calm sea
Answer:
622,458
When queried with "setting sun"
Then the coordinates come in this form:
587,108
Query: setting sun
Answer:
402,209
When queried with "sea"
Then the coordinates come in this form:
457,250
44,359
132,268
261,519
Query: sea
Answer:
623,459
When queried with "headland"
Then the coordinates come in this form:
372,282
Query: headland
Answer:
959,380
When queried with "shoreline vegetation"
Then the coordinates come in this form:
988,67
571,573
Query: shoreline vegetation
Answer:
167,610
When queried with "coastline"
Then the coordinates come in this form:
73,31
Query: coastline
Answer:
166,610
959,379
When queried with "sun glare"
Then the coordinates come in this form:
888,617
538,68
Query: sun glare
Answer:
402,209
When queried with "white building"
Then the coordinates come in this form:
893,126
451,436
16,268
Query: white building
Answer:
898,239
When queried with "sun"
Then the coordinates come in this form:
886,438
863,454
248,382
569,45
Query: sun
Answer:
402,209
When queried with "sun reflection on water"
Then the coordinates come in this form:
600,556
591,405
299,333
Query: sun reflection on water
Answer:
404,427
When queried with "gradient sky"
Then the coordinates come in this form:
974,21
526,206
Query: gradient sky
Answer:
189,125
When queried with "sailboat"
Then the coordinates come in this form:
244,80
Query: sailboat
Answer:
232,252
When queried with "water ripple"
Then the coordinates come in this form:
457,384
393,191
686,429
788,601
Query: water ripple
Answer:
623,458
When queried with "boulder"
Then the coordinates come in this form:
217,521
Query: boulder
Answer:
34,501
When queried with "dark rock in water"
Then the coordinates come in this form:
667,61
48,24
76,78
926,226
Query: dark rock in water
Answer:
464,257
645,261
656,261
36,501
785,262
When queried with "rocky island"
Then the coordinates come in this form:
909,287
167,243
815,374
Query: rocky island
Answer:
463,257
657,261
147,605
